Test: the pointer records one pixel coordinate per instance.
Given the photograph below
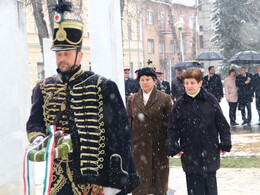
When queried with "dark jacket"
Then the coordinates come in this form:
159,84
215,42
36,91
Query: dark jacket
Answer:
256,88
214,85
129,87
136,86
166,85
97,121
198,128
149,136
177,88
245,91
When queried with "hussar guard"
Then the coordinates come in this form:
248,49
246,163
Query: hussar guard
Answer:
83,115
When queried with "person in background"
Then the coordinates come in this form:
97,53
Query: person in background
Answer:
136,86
245,94
177,85
231,95
88,108
129,83
199,133
149,112
212,82
165,84
256,88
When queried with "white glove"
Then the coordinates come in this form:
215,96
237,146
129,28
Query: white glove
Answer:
110,191
38,139
66,137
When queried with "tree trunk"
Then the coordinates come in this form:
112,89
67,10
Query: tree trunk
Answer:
122,6
174,34
40,22
50,4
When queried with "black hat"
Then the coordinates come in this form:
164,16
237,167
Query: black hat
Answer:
147,72
68,34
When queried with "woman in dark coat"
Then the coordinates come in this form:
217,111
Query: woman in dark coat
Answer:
149,111
196,125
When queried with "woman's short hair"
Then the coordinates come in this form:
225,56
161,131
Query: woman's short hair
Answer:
231,70
193,73
146,72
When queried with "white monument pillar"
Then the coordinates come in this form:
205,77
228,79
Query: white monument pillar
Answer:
15,96
104,26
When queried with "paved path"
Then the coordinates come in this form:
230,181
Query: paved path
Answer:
231,181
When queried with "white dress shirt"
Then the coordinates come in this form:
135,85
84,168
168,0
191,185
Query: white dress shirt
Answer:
146,96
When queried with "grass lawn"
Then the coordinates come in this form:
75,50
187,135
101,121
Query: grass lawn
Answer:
230,162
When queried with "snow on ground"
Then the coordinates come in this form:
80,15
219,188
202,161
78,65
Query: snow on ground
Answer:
230,181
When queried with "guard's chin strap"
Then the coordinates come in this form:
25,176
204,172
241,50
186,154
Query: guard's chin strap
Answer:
74,64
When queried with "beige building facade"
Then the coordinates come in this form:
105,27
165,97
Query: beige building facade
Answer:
146,35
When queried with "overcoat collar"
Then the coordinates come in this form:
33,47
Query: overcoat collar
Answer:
201,95
140,101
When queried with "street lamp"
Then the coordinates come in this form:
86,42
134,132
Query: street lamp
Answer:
179,25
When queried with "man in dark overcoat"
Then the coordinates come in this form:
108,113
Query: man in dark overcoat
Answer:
165,84
198,132
245,94
256,87
89,110
129,83
177,85
136,86
212,82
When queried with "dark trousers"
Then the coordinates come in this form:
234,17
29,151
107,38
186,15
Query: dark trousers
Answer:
232,111
249,113
201,184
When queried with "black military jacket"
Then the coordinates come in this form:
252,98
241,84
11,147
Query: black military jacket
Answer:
96,118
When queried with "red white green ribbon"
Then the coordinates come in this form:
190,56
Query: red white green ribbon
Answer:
49,157
26,171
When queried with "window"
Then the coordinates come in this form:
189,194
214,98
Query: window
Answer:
181,19
149,17
201,28
200,5
161,20
191,22
150,46
162,47
201,41
172,46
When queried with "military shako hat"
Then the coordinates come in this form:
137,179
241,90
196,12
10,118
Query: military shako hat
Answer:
68,33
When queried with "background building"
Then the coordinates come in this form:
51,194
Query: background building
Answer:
149,32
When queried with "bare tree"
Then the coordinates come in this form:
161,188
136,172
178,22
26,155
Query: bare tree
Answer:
174,33
40,22
50,4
